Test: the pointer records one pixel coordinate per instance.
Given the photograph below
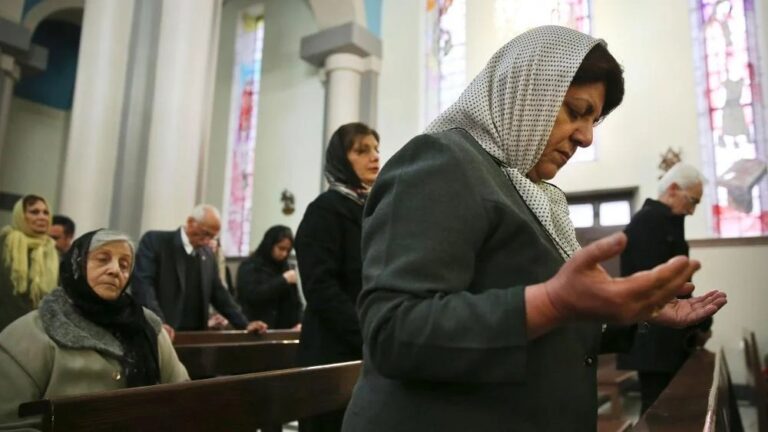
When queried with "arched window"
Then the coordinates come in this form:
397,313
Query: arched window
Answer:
446,64
733,140
446,54
249,43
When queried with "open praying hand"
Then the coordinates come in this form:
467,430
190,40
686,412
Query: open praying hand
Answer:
679,313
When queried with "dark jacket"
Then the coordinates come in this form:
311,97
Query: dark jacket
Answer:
654,235
159,280
449,247
265,294
328,252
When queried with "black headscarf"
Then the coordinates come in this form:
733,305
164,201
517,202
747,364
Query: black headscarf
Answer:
273,236
122,317
338,169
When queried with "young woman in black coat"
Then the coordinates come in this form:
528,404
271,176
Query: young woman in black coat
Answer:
328,251
267,287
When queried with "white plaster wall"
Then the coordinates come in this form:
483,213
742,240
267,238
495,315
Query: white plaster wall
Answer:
659,108
289,147
401,83
741,272
34,151
11,9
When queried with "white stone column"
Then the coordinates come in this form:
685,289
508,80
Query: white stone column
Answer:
86,190
9,76
343,74
180,125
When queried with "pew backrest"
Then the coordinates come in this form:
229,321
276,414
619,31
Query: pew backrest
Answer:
218,359
699,398
756,379
243,402
232,336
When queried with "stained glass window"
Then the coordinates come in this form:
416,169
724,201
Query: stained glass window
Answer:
245,101
446,54
733,142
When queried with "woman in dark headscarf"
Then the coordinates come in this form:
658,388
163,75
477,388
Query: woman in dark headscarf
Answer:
328,251
87,336
266,286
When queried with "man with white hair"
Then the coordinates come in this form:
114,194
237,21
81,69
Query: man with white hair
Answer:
656,234
176,275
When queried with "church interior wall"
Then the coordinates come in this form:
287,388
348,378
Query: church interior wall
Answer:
289,148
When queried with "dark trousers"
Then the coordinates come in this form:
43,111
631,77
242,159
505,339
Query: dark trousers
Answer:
328,422
651,386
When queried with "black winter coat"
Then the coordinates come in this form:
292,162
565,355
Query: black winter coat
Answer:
328,251
654,235
265,294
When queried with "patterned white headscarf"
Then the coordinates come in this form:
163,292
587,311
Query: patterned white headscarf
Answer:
510,108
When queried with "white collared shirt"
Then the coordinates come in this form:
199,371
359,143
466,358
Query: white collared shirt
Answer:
185,242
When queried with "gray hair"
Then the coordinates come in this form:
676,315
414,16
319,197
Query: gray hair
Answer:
198,213
105,236
683,174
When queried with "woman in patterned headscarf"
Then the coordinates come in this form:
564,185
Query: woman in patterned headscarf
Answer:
29,263
478,310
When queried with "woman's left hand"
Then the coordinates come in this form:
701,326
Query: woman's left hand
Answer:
680,313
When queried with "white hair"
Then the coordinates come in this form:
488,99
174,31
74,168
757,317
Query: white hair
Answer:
683,174
198,213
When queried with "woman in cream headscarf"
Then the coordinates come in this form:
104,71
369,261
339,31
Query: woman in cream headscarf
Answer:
29,263
479,310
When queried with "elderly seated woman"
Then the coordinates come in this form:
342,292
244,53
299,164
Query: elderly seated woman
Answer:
87,336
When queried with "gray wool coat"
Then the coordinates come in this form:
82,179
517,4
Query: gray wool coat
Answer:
448,249
54,351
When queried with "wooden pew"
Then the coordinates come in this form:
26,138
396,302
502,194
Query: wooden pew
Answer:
211,360
243,402
610,380
232,336
756,380
699,398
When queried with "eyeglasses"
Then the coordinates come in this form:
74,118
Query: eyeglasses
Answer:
691,200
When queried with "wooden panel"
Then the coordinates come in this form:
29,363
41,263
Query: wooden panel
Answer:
210,360
756,380
699,398
224,336
730,242
243,402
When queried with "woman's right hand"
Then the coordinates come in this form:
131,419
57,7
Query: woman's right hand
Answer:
583,290
290,277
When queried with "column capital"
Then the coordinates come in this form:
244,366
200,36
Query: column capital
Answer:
9,67
16,41
350,38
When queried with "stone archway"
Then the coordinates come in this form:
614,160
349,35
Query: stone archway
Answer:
64,10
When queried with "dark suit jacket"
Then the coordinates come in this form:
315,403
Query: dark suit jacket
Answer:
328,252
159,280
654,235
448,249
